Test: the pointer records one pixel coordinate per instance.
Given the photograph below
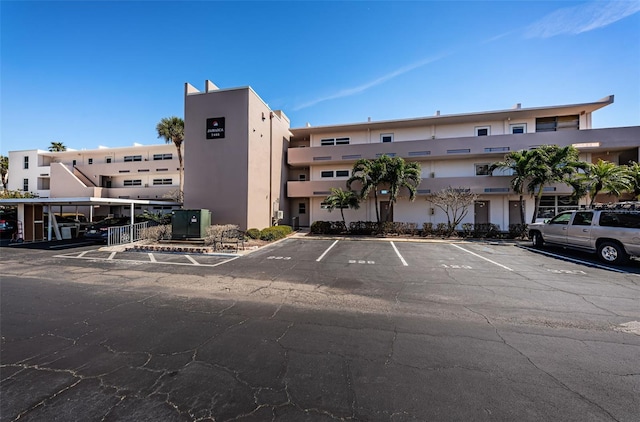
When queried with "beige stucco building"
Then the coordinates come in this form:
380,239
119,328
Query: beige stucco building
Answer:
260,165
140,172
246,165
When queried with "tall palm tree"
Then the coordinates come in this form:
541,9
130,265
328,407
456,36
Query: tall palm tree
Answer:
605,176
342,199
171,129
551,164
401,174
518,163
370,174
57,146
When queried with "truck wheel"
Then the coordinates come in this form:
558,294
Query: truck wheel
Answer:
612,253
536,240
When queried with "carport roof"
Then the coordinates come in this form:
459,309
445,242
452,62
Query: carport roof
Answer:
84,201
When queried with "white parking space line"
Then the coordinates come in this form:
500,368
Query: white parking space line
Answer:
325,252
578,261
481,257
82,254
399,256
152,258
192,260
113,254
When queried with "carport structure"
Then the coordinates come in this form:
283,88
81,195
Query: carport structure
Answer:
30,212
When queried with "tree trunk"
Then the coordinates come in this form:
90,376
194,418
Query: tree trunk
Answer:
375,196
521,210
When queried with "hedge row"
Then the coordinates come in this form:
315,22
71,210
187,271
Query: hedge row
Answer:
372,228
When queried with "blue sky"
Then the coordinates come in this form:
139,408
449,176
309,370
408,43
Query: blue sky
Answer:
90,73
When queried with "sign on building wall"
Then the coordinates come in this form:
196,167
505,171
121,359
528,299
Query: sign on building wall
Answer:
215,128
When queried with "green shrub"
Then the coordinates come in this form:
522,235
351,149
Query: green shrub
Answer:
427,229
156,233
253,233
366,228
274,233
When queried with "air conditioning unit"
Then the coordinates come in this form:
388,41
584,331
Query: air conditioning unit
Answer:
278,214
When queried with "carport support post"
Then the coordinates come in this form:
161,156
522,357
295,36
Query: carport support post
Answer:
132,222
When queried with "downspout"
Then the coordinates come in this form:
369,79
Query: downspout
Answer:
271,213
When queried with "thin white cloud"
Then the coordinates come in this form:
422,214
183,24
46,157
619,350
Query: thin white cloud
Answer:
361,88
582,18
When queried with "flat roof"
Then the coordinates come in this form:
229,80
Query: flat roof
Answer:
85,201
512,113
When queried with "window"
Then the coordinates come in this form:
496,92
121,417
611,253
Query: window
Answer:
518,128
561,219
342,173
107,160
583,218
302,177
334,141
553,205
611,219
135,182
26,163
302,208
162,181
552,124
326,173
386,137
90,161
162,157
324,205
483,130
482,169
325,142
25,185
128,158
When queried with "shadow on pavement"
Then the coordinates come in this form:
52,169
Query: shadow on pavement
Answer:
46,245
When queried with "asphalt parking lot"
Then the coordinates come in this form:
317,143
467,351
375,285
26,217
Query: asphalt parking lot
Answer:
320,329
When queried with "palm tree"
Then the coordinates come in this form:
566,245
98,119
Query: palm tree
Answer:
57,146
370,174
342,199
401,174
551,164
605,176
4,171
633,170
518,163
172,130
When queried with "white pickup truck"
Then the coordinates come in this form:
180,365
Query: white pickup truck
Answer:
613,233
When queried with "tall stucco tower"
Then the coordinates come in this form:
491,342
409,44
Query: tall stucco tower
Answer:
235,156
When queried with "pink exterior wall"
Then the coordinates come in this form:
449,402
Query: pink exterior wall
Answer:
238,177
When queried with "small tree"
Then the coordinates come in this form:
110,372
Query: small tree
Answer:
342,199
633,170
4,171
57,146
401,174
550,164
370,174
171,129
455,203
518,163
605,176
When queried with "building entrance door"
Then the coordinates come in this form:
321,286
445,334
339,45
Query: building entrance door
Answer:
514,213
386,212
481,212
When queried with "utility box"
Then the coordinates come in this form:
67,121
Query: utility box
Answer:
190,224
